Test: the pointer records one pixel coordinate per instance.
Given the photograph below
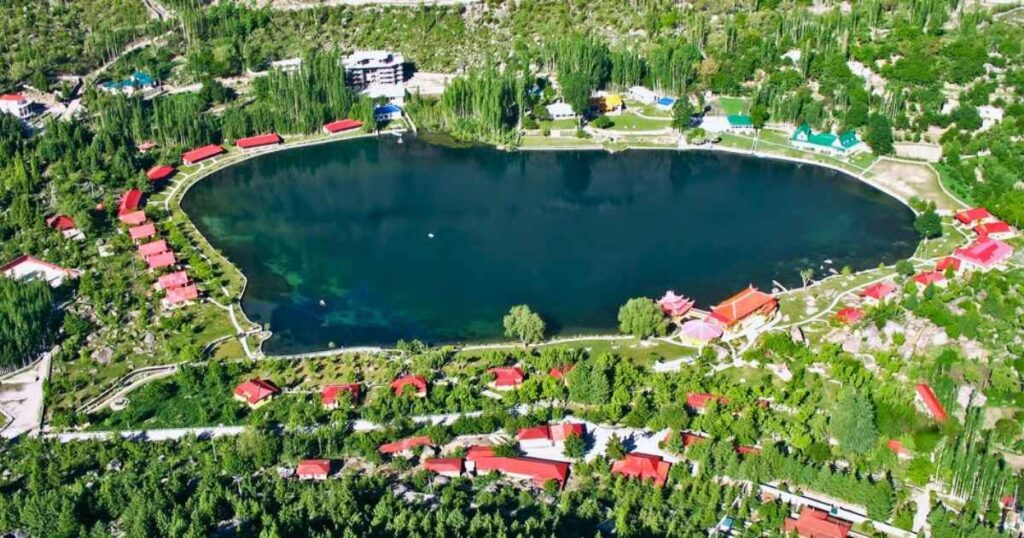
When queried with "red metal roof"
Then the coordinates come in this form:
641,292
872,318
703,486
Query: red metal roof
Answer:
559,372
342,125
142,232
539,470
996,227
946,263
146,146
643,466
313,468
479,451
201,154
968,216
403,445
508,376
817,524
850,315
61,222
745,303
690,438
159,261
29,259
129,201
133,218
878,290
700,400
985,252
555,432
152,248
443,465
929,277
182,294
329,394
12,97
159,172
897,447
256,390
931,402
259,140
172,280
417,382
748,450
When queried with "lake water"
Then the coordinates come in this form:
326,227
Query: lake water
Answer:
370,241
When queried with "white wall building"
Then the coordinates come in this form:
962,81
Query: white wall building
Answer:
15,104
560,111
394,93
370,67
643,95
289,65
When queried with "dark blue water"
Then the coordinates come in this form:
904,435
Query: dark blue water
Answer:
572,234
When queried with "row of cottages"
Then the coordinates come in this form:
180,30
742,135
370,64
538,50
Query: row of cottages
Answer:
176,285
984,224
548,435
137,81
846,143
482,460
983,254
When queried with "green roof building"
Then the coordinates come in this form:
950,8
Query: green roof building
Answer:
805,138
740,121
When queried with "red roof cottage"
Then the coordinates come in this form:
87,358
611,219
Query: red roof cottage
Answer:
507,377
331,395
643,466
61,223
878,292
949,262
133,218
181,295
995,229
417,382
268,139
926,397
342,125
172,280
159,261
747,304
697,401
985,253
159,172
559,372
814,523
201,154
129,201
444,466
897,448
404,446
539,471
850,315
256,392
548,435
313,469
975,214
928,278
153,248
143,231
27,267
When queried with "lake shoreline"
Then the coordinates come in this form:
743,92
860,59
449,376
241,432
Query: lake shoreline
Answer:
179,192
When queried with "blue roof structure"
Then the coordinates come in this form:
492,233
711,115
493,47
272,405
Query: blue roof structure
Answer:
137,78
387,109
667,101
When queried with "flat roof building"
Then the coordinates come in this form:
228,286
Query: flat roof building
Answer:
368,67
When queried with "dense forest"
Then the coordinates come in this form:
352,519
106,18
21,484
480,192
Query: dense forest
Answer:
28,320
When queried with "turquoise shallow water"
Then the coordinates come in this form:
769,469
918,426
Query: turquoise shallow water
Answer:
414,240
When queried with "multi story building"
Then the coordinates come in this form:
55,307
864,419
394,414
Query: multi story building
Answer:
16,105
370,67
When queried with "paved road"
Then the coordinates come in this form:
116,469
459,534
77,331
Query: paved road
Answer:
169,434
295,5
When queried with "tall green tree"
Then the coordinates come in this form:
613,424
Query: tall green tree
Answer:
853,422
879,135
642,318
524,325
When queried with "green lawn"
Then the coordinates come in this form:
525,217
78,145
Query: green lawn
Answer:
563,124
736,141
557,142
632,122
733,105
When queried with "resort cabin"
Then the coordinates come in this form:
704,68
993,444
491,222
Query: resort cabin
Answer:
609,103
699,401
740,123
161,261
748,310
143,231
180,295
666,103
66,226
331,395
370,67
16,104
26,267
160,172
644,467
313,469
824,142
450,467
341,126
418,384
289,65
404,447
256,392
897,448
930,278
996,229
642,95
129,201
878,292
850,315
153,248
134,218
201,154
927,400
548,435
675,306
392,93
948,263
560,111
476,452
172,280
985,254
388,112
269,139
506,377
814,523
560,372
973,215
689,438
136,81
536,470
